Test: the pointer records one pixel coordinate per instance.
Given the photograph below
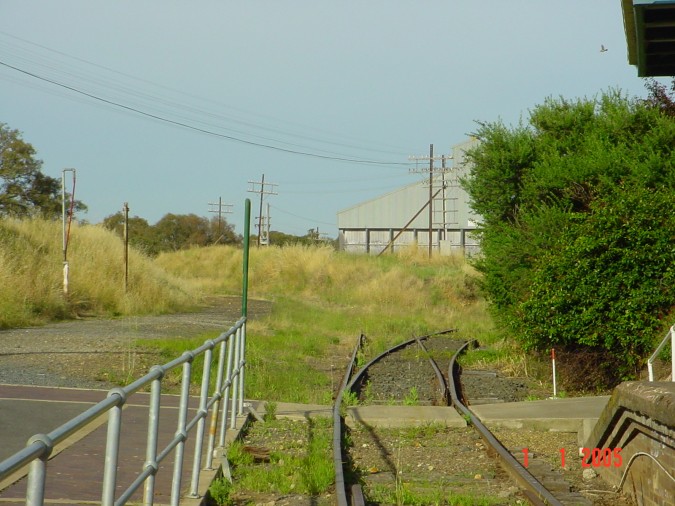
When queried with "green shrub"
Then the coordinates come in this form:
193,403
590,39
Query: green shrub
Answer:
577,237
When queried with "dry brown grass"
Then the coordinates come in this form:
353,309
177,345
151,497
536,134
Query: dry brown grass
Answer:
31,270
407,291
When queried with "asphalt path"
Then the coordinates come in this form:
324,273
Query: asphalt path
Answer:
75,469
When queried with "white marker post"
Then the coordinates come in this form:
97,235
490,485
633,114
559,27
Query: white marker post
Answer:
555,392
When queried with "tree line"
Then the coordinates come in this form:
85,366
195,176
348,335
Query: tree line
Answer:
26,192
172,232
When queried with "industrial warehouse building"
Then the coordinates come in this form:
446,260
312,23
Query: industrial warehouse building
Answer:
401,219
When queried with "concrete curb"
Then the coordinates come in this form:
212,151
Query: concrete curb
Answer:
207,476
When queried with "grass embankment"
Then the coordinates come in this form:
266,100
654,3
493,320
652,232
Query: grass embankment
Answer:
31,276
322,301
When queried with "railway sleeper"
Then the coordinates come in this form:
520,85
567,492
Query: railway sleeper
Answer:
551,478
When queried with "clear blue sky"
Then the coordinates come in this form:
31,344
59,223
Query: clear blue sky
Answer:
169,105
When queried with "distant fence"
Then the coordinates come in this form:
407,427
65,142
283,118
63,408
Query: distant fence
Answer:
229,385
374,241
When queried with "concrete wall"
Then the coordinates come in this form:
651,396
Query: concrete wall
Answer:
640,420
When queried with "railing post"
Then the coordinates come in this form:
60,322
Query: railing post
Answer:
181,431
247,235
650,360
37,476
203,413
235,382
650,370
153,430
228,387
244,308
242,360
112,448
217,395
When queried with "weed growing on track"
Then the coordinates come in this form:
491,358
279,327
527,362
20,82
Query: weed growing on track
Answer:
412,398
299,464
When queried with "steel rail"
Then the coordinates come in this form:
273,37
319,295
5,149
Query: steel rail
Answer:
535,492
439,375
340,487
356,492
391,350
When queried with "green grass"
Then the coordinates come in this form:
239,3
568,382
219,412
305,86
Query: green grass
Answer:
411,398
303,467
221,492
405,494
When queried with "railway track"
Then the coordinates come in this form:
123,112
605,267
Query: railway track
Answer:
422,371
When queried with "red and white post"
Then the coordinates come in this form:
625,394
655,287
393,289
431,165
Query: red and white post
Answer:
555,391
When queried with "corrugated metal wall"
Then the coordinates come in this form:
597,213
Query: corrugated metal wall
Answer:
369,226
392,210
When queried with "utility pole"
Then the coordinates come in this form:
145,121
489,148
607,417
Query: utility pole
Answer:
265,239
431,195
218,208
125,210
259,187
431,159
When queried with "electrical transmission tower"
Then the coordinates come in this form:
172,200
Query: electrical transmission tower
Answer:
439,174
218,208
263,188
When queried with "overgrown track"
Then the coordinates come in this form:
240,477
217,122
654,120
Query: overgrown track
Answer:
422,370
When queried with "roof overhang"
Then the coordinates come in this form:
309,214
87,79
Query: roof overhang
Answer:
650,36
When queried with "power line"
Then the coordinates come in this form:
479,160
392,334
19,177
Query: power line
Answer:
50,64
198,129
309,220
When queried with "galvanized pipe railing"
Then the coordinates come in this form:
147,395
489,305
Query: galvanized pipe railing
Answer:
229,386
650,361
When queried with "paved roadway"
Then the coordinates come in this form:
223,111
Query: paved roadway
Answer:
75,473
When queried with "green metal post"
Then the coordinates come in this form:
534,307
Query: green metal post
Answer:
247,235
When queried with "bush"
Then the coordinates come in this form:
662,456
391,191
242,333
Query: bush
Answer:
577,237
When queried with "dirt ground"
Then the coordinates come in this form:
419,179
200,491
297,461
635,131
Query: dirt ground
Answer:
98,353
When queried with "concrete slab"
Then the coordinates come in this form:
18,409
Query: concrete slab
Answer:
375,416
295,411
403,416
564,415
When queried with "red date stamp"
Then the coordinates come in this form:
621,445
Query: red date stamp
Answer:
590,457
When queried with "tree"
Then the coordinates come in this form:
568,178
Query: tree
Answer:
578,225
173,232
24,189
660,97
142,235
223,232
180,231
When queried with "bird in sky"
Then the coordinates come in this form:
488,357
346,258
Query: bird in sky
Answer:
603,49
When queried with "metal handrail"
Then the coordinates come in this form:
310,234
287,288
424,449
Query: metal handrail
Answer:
40,446
650,361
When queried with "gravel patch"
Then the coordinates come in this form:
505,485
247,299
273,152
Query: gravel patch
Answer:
90,353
